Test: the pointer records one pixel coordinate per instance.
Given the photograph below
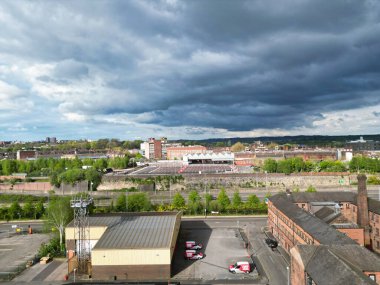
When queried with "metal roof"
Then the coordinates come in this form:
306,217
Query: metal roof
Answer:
134,230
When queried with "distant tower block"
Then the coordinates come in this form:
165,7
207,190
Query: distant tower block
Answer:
362,200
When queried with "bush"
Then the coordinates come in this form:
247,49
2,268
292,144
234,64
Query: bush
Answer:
52,248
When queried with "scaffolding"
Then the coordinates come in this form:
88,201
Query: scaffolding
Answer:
80,203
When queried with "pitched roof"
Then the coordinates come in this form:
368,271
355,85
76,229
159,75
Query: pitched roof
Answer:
134,230
318,229
323,262
306,197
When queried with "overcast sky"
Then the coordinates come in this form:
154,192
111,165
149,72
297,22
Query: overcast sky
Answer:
188,69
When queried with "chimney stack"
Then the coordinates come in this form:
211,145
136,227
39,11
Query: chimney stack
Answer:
362,201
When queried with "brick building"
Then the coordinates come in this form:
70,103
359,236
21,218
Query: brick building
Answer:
324,222
26,154
178,152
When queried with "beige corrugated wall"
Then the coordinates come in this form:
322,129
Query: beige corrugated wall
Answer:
95,233
130,256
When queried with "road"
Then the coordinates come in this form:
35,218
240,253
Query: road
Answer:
6,227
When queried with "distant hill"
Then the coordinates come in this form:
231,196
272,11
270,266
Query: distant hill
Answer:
333,141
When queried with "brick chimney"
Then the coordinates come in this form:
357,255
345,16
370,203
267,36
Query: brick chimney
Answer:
362,201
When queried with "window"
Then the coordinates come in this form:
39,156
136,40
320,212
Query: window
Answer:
303,205
372,277
353,209
377,231
377,244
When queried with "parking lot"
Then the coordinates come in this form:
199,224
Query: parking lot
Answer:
223,246
16,250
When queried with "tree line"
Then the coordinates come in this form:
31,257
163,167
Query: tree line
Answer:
297,164
196,204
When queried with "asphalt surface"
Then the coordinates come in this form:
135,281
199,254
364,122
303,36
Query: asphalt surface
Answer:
271,265
6,229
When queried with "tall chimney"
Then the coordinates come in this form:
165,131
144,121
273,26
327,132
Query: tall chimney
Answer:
362,200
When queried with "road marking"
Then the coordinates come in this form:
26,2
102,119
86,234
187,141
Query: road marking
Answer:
6,249
270,257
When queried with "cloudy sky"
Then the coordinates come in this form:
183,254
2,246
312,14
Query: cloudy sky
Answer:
188,69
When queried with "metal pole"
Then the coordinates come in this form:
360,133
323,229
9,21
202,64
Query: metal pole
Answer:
288,273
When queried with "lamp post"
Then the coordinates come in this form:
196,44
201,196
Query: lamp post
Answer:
74,273
266,181
288,273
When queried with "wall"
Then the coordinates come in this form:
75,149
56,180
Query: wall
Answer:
173,242
95,232
271,180
130,256
355,234
131,272
297,268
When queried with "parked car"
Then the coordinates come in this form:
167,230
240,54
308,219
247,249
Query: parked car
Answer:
240,267
193,254
193,245
271,243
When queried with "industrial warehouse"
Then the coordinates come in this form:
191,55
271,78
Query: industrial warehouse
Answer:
133,246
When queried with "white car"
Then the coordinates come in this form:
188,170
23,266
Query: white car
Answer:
240,267
193,245
193,254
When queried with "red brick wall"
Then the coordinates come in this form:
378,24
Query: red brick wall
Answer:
355,234
297,269
131,272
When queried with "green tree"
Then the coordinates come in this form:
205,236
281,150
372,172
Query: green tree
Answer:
237,147
94,177
59,214
121,203
270,165
253,202
223,200
39,210
138,202
311,189
29,210
194,197
236,200
178,201
15,210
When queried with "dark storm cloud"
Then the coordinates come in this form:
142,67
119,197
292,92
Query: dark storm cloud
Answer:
235,65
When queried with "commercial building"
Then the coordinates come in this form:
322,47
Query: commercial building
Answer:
26,154
328,226
177,153
209,158
361,145
152,149
129,246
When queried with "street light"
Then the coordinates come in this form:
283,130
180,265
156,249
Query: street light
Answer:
288,273
74,273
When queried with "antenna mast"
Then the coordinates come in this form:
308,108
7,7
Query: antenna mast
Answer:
80,204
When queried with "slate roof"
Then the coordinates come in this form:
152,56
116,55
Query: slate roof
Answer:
318,229
324,213
325,265
307,197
